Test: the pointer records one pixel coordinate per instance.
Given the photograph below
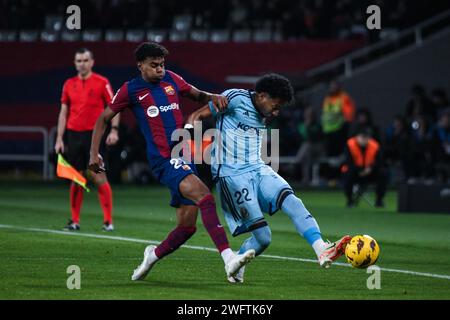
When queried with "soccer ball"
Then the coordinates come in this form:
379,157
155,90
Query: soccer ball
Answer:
362,251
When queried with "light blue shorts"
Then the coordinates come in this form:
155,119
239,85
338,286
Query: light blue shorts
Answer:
245,197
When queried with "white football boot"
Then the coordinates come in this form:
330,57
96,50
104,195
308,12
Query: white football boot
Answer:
238,277
238,261
148,262
333,251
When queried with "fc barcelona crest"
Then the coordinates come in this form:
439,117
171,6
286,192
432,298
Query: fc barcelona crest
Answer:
170,90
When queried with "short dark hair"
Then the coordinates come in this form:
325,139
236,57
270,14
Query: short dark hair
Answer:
84,50
276,86
150,50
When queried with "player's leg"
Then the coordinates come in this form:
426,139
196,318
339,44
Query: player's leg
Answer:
242,213
381,180
191,187
187,189
105,198
104,190
186,220
259,241
278,193
74,157
349,180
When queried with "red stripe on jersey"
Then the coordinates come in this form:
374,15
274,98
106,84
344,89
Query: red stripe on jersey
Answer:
154,120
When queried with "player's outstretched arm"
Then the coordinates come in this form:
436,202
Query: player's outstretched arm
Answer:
199,114
219,102
96,162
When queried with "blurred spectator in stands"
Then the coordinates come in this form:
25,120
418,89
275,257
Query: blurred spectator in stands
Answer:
397,142
287,123
311,147
420,160
440,101
363,166
419,105
337,113
363,118
238,15
443,148
318,19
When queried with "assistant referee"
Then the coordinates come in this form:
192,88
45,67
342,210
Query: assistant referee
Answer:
83,99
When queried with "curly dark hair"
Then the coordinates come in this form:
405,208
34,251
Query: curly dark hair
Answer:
150,50
276,86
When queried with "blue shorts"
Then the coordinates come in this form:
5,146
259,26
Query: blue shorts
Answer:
245,197
170,173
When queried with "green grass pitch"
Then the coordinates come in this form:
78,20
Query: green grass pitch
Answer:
34,262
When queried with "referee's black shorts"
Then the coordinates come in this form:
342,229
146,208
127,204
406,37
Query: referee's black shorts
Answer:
77,148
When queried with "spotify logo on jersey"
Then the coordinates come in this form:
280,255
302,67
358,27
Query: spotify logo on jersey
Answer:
152,111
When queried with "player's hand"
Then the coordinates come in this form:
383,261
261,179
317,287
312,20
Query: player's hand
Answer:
59,146
112,138
219,102
96,164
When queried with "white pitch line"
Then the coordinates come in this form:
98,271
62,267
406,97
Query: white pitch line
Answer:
99,236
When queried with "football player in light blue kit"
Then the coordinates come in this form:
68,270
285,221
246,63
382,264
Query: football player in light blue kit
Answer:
247,186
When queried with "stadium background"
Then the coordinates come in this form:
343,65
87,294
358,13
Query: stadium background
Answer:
216,45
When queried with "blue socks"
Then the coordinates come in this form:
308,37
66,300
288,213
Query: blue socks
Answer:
259,240
304,222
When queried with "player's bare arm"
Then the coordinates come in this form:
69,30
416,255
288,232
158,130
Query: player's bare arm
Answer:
62,120
219,102
113,136
96,162
199,114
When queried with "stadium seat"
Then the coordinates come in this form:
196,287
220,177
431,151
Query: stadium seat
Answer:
199,35
134,35
277,36
70,36
389,34
220,36
92,35
182,23
114,35
54,22
50,36
359,29
262,35
8,35
28,36
176,35
157,35
244,35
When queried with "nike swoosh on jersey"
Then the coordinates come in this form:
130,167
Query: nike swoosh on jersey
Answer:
142,97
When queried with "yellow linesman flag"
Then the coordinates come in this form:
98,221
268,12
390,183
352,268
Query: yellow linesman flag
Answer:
65,170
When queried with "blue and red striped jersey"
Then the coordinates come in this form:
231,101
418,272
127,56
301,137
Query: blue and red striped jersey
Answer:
156,107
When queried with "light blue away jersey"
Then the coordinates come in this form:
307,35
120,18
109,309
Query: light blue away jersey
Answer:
241,128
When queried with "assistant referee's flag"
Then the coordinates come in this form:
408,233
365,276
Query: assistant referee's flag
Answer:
65,170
